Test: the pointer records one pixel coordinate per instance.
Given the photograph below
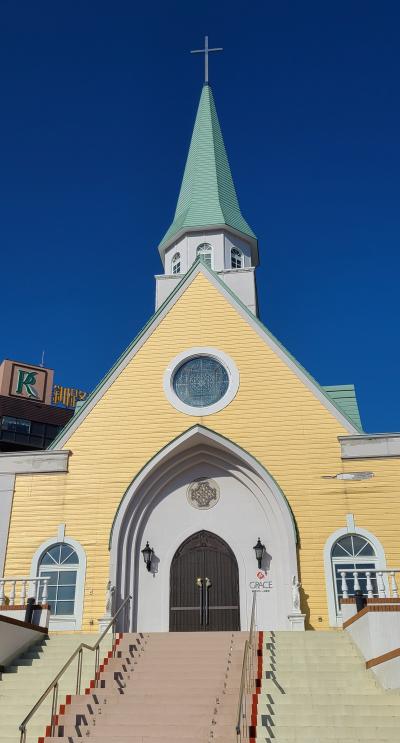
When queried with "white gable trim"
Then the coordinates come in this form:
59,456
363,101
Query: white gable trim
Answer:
128,355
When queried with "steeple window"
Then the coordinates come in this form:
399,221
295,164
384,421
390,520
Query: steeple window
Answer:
236,258
176,263
204,251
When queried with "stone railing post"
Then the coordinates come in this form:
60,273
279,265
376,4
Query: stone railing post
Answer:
357,586
344,586
370,588
394,590
12,592
381,585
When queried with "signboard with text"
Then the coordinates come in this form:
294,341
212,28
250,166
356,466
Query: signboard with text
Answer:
261,582
35,383
67,397
28,382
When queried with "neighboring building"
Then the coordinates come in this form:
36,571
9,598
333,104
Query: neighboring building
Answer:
28,419
209,451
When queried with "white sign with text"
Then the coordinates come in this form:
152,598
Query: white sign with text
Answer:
261,582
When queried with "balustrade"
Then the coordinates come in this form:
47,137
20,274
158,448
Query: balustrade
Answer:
383,583
16,591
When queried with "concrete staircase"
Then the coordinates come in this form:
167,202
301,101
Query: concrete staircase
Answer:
315,689
160,687
184,687
23,682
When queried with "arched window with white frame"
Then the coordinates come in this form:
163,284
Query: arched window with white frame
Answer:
60,564
204,251
349,553
236,258
176,263
349,550
64,564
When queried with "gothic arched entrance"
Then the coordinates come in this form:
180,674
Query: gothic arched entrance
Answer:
156,508
204,586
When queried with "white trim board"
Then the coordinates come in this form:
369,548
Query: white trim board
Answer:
374,446
262,332
7,484
28,463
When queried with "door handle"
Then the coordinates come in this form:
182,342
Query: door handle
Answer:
199,584
207,586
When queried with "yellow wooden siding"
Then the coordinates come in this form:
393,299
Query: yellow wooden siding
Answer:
274,416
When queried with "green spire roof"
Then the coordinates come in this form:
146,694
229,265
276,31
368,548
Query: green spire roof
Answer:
207,196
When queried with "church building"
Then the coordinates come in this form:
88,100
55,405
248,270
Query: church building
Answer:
208,464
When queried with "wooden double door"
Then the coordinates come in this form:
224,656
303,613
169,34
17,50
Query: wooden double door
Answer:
204,586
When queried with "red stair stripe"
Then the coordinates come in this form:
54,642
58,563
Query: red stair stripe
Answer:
254,705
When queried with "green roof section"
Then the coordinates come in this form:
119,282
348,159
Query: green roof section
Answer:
344,396
208,195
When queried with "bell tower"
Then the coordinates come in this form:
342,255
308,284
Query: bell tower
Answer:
208,223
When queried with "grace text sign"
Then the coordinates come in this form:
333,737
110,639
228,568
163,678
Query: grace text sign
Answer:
261,582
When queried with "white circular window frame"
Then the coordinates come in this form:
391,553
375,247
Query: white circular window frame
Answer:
191,353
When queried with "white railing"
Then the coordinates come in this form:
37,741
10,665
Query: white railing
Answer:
16,591
385,582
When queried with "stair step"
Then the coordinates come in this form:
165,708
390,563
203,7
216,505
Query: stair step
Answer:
164,687
123,738
160,730
315,732
345,718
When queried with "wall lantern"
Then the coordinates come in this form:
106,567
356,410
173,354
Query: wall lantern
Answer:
147,553
259,549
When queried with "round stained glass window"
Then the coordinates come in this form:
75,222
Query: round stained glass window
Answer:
201,381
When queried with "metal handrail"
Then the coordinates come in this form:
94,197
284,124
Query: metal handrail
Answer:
54,684
247,648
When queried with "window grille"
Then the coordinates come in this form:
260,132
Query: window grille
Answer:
176,263
60,564
201,381
204,251
236,258
352,552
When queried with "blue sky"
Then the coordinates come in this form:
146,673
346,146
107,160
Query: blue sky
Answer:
98,102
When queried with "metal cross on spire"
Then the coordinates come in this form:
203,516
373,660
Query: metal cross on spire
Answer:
206,52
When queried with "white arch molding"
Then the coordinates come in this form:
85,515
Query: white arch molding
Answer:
335,620
75,621
155,508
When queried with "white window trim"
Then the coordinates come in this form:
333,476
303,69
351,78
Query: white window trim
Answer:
74,621
191,353
176,261
210,252
335,620
238,254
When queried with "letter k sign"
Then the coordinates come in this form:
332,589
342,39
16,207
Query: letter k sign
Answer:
26,379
